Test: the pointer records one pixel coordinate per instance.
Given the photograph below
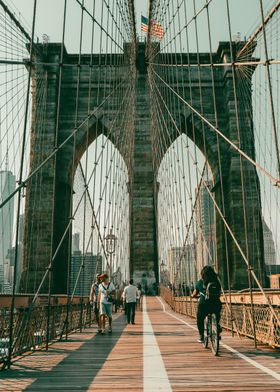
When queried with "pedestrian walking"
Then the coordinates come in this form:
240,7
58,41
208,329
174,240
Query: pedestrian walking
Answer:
106,294
130,295
140,298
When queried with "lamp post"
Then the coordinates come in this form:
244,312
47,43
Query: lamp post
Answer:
110,243
162,265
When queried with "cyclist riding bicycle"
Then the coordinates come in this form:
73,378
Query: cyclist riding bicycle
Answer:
208,289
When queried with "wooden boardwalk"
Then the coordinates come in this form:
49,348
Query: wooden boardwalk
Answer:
160,352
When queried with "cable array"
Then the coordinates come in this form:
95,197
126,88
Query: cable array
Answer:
216,172
66,131
67,118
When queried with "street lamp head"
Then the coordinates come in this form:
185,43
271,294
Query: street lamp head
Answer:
110,242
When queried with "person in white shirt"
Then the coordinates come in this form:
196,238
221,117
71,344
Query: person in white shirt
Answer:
106,291
130,295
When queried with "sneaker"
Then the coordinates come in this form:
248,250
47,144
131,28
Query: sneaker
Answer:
99,330
110,330
102,332
200,340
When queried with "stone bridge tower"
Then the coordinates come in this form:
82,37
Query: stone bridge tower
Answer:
236,183
143,182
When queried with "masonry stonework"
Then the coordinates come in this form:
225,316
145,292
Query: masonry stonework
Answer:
49,205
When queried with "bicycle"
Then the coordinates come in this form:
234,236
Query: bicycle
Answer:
212,333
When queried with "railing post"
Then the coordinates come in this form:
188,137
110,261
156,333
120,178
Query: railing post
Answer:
252,305
66,322
48,313
81,314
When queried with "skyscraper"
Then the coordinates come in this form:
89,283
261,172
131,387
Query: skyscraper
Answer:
269,246
92,266
75,242
7,186
174,256
205,227
182,265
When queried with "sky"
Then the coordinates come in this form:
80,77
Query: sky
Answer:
245,16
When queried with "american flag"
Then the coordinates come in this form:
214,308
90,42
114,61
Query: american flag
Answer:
156,29
144,24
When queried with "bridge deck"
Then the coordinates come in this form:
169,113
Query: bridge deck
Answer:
160,352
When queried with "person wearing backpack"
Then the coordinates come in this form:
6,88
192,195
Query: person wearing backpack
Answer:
208,288
106,292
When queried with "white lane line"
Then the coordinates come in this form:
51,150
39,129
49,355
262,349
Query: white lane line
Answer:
257,365
155,375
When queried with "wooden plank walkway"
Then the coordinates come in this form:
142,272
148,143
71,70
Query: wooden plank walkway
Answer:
118,362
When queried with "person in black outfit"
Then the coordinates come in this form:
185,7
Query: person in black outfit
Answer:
94,299
130,295
207,305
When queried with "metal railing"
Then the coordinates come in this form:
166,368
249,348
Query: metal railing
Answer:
36,326
239,318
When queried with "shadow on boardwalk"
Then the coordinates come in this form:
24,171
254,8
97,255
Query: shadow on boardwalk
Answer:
77,370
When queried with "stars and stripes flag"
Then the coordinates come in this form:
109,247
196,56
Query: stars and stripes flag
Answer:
144,24
156,29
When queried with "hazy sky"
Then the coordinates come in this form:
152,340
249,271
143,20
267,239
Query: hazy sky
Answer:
50,14
245,16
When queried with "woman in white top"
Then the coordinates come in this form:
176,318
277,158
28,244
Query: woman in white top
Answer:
106,292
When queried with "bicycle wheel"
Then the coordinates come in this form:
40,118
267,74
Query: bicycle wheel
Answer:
214,335
207,331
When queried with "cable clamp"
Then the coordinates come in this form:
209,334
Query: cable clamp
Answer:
28,62
250,268
267,62
21,183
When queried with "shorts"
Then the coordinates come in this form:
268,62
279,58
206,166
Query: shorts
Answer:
106,309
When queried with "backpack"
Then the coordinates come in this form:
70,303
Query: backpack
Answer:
109,296
213,291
